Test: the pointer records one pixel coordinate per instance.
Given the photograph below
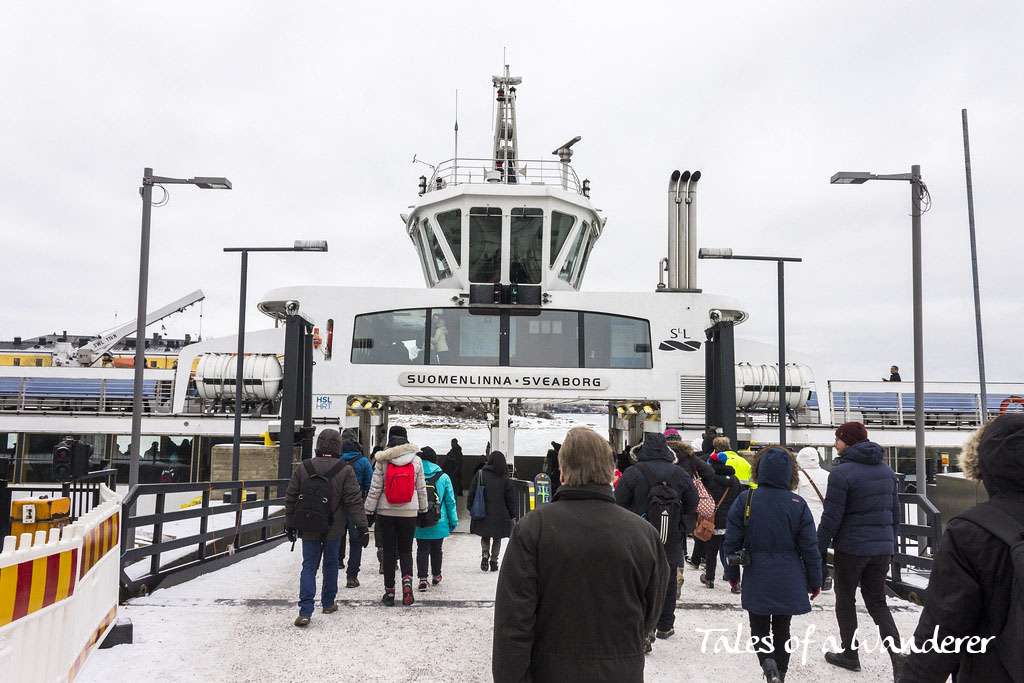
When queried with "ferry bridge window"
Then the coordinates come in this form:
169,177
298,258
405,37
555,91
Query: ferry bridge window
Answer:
574,254
390,338
485,244
526,244
547,340
440,260
451,228
584,256
417,241
611,341
561,226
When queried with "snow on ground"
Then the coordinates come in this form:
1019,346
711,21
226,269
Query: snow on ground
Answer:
235,624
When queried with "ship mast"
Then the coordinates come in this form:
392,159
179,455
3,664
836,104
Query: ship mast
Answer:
505,136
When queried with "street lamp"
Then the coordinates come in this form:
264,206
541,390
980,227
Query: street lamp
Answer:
148,181
707,253
918,195
300,245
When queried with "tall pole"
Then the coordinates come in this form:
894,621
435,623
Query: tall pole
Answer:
915,217
237,441
782,354
140,327
974,271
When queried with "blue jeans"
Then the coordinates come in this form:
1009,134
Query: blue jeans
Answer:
311,554
355,550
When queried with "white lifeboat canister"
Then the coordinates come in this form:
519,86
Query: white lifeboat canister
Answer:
757,386
261,377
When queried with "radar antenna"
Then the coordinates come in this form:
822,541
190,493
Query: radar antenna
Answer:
505,134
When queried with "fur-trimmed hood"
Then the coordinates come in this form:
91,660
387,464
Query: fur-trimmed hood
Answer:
994,455
775,468
402,454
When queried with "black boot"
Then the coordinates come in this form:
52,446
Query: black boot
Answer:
898,661
380,560
771,670
484,560
844,660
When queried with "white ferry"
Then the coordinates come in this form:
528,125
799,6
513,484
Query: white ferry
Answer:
503,242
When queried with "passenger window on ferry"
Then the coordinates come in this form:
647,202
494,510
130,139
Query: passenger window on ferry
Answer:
485,244
390,338
440,260
548,340
561,226
468,339
451,228
526,245
574,254
616,342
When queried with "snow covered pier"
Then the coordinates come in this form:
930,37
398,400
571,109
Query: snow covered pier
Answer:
236,624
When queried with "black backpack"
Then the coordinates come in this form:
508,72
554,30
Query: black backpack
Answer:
664,506
315,507
433,514
1001,523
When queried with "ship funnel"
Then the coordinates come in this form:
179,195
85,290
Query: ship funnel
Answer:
682,221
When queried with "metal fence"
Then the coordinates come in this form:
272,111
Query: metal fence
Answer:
84,493
202,535
955,405
922,537
525,172
83,394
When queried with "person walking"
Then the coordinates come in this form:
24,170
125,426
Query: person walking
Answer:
775,530
551,466
582,582
397,495
724,489
430,540
860,518
697,470
352,453
656,473
970,591
301,517
737,462
500,504
813,481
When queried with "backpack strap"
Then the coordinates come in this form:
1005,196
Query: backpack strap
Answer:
811,481
338,467
726,493
432,480
746,519
651,481
995,521
308,466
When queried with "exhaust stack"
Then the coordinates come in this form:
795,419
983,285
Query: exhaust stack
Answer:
681,263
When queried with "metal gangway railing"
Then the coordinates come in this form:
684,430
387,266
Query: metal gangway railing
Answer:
175,532
463,171
83,390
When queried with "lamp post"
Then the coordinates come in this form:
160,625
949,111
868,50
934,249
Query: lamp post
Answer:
148,181
781,261
918,193
300,245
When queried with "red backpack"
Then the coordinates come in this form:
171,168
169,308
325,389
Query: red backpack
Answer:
399,483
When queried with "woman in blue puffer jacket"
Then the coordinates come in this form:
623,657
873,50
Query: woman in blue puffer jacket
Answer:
784,564
430,539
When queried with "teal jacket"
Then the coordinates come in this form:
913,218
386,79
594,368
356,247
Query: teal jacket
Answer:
449,515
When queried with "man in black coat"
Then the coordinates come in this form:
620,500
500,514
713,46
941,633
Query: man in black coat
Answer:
970,586
583,580
656,459
860,518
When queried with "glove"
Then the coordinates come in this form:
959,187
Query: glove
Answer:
291,534
371,517
451,529
815,593
364,536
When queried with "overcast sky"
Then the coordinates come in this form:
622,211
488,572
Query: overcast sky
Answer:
314,111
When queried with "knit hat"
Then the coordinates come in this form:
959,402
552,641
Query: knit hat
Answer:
672,435
851,432
429,454
720,457
397,436
328,442
350,447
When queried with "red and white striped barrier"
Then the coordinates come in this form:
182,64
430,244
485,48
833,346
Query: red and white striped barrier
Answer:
58,594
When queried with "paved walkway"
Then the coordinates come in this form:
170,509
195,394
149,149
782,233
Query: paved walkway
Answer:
236,625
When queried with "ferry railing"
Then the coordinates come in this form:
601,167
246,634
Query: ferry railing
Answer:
922,536
82,390
464,171
190,533
949,405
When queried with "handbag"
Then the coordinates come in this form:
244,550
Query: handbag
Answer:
706,504
478,510
706,526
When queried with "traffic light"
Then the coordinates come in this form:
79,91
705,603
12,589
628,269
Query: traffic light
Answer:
62,460
71,459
